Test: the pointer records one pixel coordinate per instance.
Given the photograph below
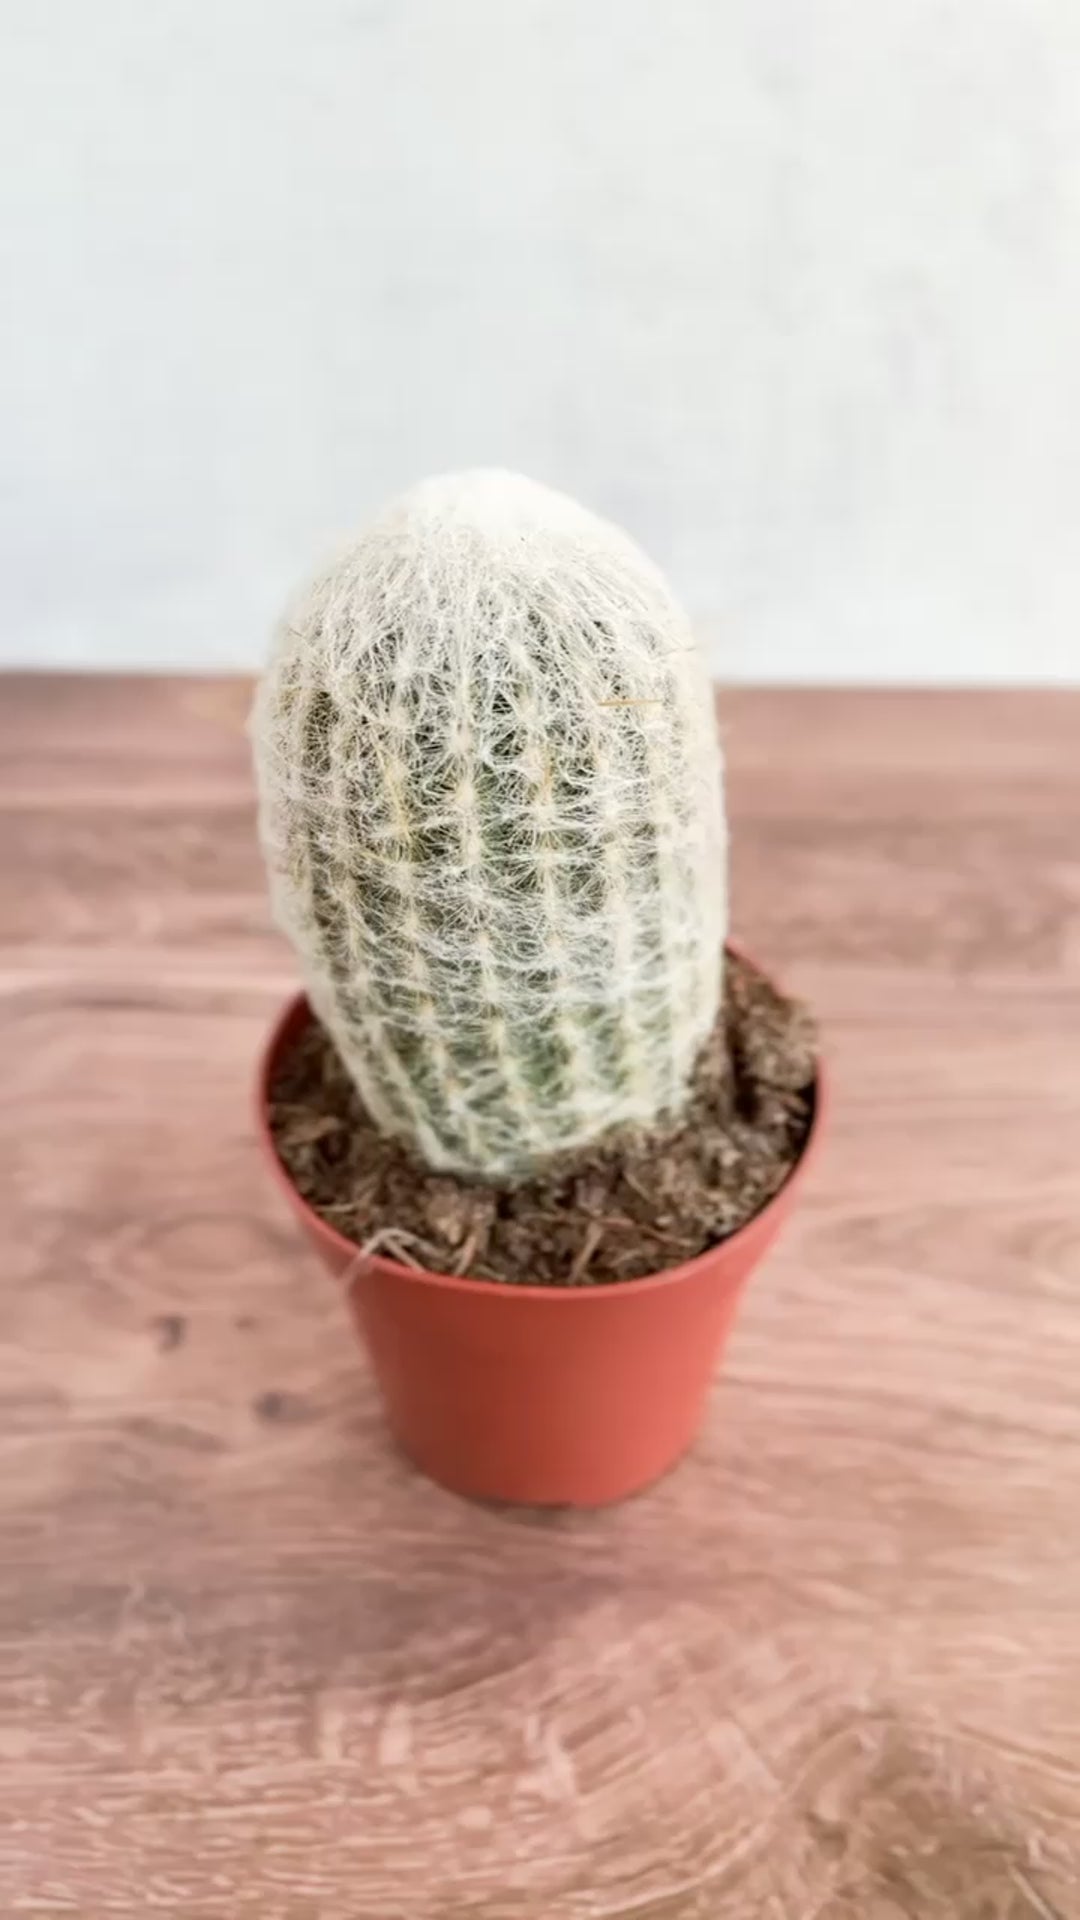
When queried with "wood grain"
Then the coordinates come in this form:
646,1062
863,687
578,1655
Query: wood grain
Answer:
251,1664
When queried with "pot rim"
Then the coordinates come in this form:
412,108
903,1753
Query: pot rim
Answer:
354,1254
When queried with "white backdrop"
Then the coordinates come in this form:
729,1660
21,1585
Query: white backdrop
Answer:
791,287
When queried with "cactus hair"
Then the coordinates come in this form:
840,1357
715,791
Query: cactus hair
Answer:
491,807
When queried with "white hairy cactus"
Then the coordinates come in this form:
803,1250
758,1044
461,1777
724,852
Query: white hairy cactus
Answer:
491,805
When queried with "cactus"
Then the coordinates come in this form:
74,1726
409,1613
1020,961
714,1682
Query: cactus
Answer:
491,806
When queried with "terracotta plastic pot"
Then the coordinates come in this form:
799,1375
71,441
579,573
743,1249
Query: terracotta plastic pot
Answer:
539,1394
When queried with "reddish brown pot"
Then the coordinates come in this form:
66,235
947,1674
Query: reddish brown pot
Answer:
553,1395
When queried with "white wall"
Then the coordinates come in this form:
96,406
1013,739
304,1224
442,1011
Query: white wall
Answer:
792,287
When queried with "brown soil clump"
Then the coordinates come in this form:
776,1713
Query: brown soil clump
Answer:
630,1207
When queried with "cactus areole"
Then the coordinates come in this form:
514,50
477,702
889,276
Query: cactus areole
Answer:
491,807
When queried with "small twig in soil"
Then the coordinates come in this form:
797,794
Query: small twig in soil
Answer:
594,1233
392,1237
461,1265
636,1187
638,1226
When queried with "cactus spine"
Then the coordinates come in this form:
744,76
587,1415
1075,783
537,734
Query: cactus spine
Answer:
490,801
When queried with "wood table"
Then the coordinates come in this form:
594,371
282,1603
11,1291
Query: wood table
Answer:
252,1664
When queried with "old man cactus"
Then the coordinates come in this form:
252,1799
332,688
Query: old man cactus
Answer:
491,808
